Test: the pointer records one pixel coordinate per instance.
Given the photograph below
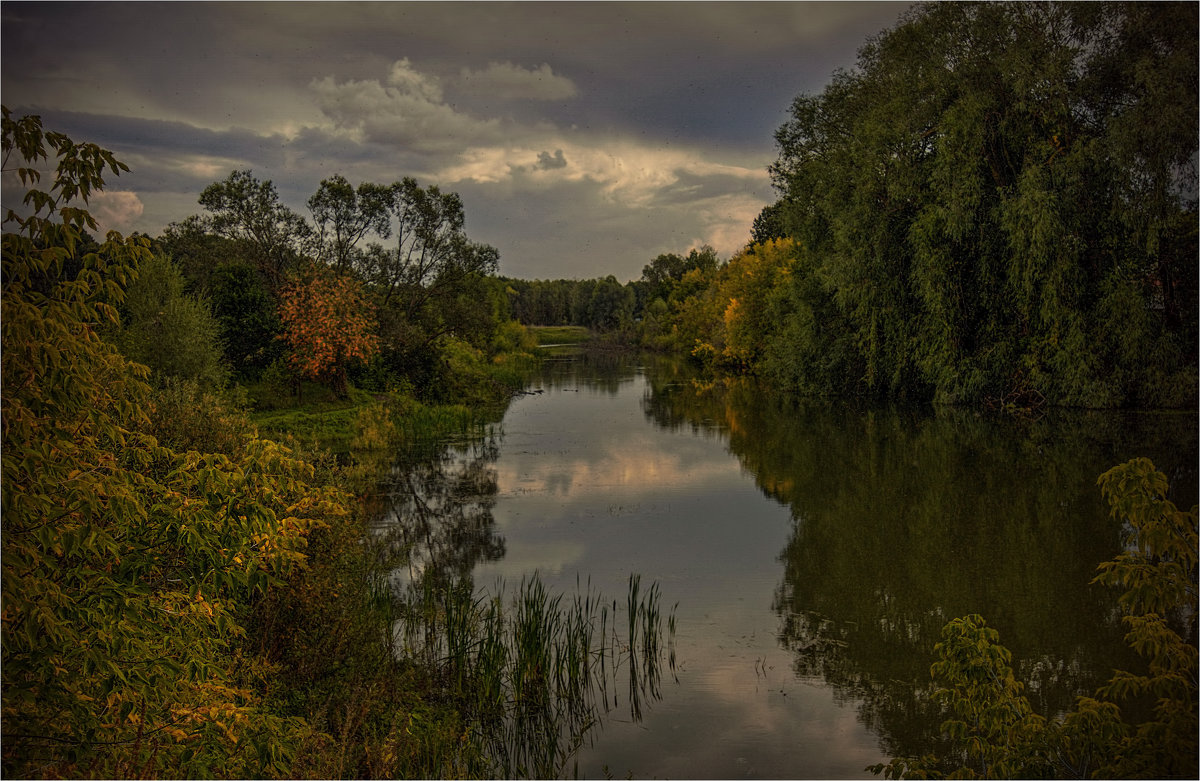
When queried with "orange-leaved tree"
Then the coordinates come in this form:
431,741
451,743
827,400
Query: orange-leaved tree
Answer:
329,324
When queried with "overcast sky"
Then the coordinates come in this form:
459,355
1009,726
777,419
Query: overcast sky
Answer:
584,138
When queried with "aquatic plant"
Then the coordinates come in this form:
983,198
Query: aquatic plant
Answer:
533,673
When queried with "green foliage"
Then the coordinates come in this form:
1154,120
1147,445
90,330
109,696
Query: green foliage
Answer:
173,333
344,216
264,231
431,256
987,712
127,564
512,337
1158,574
567,334
321,423
990,722
186,415
665,271
465,376
603,305
197,252
999,207
247,312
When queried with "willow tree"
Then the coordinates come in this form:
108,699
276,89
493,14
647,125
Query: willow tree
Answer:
1002,202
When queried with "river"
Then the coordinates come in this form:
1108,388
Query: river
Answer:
812,551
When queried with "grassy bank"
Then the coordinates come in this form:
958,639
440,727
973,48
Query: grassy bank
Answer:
559,335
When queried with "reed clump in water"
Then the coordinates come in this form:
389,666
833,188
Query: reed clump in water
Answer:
533,673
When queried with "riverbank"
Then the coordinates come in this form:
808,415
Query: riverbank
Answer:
425,678
326,631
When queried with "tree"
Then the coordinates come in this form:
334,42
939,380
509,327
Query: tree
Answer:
431,252
173,333
328,323
610,305
343,216
198,252
667,269
126,565
249,211
770,224
248,315
1000,199
750,281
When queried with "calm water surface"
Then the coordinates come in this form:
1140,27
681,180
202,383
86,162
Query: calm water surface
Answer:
814,551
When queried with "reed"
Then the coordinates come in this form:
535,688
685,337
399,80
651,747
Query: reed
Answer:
531,673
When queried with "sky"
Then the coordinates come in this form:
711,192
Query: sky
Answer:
584,138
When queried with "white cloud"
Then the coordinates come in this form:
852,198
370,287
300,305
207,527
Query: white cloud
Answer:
623,171
706,199
405,78
506,80
726,221
406,109
115,210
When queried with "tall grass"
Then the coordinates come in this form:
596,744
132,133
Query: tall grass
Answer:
532,672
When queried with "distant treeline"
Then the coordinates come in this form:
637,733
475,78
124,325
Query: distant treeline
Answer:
997,205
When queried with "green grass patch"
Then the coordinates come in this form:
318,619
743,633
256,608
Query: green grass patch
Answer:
559,334
366,421
324,423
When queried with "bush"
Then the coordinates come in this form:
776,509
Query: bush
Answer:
173,333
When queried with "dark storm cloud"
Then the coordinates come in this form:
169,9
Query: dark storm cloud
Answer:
547,161
582,135
149,136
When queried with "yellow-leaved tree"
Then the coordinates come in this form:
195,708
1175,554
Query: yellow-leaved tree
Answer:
127,566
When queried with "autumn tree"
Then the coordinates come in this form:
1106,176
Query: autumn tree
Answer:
749,283
127,566
329,324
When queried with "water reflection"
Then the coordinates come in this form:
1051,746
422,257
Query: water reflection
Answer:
902,520
534,671
815,550
435,509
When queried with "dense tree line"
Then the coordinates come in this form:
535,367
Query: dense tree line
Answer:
605,304
600,304
998,204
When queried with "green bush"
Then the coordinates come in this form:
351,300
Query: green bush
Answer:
173,333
